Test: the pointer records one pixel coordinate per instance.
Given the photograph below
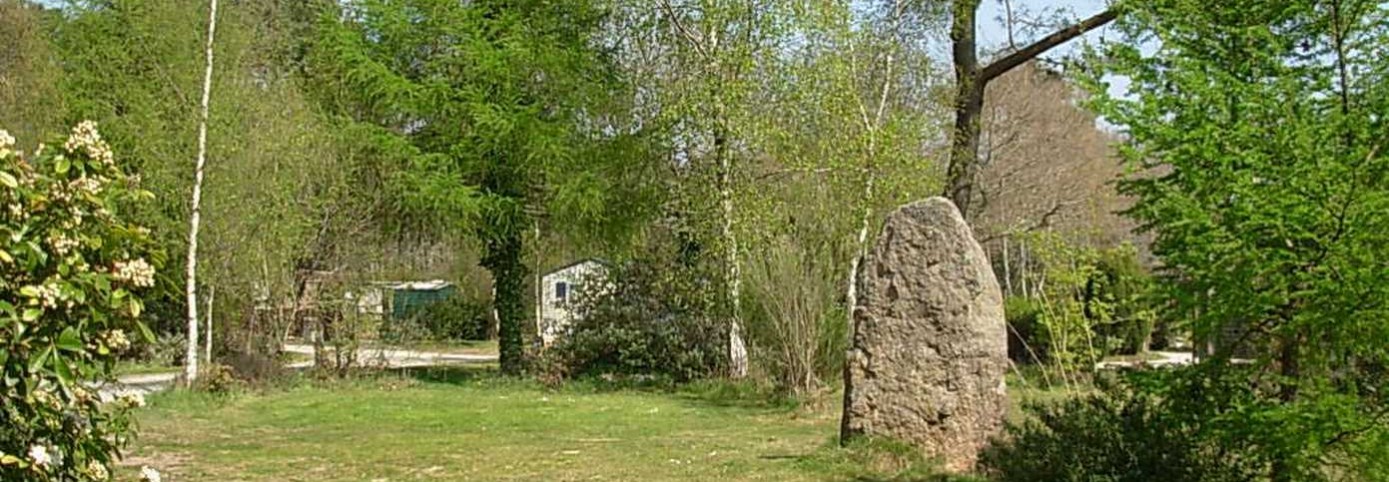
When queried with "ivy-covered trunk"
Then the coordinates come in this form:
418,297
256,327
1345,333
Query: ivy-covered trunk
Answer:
503,260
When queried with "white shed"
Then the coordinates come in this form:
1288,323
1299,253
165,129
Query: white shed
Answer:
558,288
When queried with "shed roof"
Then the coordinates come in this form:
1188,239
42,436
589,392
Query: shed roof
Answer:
431,285
600,261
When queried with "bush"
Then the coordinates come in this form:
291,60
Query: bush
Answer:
1026,336
73,278
651,317
1129,431
454,319
796,325
457,318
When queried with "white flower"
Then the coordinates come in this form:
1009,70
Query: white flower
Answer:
6,140
148,474
62,244
135,399
38,454
116,340
86,138
97,471
49,295
137,272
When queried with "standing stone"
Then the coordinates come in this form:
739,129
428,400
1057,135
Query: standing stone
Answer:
930,345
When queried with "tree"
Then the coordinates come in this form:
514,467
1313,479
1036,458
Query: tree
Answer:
970,82
501,107
74,277
29,73
190,363
1256,135
717,46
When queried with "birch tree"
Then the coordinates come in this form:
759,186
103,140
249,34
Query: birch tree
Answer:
190,368
719,46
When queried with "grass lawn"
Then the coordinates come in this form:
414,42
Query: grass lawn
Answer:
126,367
461,424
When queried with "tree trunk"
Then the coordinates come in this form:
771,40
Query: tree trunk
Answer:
970,81
207,345
1007,270
737,348
504,261
191,357
969,102
860,247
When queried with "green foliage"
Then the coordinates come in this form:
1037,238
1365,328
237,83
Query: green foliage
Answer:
505,107
651,317
1026,335
1123,433
456,318
1255,133
74,274
1090,303
797,327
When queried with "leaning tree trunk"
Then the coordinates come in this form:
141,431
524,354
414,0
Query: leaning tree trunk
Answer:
970,82
504,261
191,357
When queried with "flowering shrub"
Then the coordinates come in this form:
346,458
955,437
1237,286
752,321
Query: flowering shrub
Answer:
72,276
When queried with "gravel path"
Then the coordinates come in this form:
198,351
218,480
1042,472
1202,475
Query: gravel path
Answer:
382,357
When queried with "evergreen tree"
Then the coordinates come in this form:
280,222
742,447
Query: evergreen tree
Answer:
502,107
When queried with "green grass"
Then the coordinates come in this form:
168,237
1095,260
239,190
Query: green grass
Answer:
484,347
465,425
124,368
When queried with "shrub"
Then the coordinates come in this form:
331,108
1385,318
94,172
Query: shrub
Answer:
650,317
1128,431
456,318
795,324
73,277
1027,341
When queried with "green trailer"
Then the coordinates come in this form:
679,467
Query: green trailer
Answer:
408,298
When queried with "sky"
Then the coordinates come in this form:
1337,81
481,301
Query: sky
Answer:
993,34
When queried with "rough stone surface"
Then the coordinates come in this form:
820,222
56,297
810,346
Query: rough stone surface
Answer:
930,346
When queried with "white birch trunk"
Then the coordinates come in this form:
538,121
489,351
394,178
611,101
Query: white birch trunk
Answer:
737,348
1007,271
861,248
191,360
207,345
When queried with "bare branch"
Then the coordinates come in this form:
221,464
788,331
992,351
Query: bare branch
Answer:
694,40
1008,62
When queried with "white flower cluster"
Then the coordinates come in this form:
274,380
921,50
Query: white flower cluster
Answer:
46,398
39,456
97,471
137,272
115,340
6,142
89,185
148,474
86,138
133,400
49,296
62,244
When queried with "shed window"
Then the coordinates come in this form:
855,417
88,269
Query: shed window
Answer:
562,291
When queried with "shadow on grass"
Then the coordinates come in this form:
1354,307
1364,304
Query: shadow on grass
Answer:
709,393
